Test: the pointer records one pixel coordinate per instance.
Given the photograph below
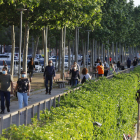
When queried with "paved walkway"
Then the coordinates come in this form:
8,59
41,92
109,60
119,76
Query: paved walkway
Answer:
35,97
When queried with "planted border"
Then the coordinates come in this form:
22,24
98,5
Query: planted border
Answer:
110,102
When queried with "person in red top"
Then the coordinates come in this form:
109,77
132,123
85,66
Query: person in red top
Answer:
100,69
110,59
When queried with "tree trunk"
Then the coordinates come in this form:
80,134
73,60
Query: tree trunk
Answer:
59,59
76,47
46,47
63,39
84,55
12,52
112,52
43,43
26,48
69,55
125,54
93,53
116,52
35,48
25,35
73,51
56,53
102,53
129,52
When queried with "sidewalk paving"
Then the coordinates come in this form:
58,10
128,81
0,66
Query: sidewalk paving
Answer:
33,98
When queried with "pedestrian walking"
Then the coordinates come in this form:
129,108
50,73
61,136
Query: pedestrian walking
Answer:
74,76
135,62
85,75
118,65
49,74
115,66
110,59
31,67
128,63
23,89
112,69
75,65
106,68
6,82
100,69
98,64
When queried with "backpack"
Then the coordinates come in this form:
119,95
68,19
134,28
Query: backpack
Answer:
83,80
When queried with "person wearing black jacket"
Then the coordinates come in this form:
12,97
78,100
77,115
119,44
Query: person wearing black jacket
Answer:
134,62
31,67
75,76
128,63
49,73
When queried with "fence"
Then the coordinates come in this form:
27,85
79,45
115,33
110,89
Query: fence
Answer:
29,111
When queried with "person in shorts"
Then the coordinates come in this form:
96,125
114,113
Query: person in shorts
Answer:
5,89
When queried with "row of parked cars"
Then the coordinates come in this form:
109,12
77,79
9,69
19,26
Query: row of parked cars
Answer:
5,60
7,63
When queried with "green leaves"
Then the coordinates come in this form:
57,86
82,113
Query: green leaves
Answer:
110,102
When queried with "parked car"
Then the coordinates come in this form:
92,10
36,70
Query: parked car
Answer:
42,64
38,67
17,55
8,63
39,57
55,57
54,61
66,63
5,57
88,61
15,58
29,57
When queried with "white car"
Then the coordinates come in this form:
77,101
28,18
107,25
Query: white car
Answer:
8,63
66,63
2,64
54,61
38,67
79,58
39,57
5,57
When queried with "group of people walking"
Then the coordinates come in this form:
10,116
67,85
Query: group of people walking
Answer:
75,74
104,69
22,87
129,63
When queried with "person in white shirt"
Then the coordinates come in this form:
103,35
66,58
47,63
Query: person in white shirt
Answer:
77,66
98,64
85,74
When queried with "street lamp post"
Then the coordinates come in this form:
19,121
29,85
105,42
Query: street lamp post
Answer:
20,42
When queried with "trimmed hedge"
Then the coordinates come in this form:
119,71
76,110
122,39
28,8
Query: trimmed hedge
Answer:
111,102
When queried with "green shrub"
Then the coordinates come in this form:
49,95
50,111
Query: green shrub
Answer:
110,102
